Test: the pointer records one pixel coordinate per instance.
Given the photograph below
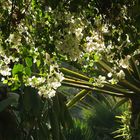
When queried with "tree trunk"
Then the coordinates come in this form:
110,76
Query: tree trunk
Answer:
135,118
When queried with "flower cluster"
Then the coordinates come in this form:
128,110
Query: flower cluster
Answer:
69,39
99,81
28,58
94,43
46,84
5,60
72,36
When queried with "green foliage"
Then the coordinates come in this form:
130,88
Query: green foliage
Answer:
28,61
125,128
18,68
98,119
126,86
79,131
100,37
12,99
43,119
32,116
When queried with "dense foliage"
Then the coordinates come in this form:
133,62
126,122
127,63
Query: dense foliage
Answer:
38,38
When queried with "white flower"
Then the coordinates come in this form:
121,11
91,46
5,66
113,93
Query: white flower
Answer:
48,9
55,85
109,74
5,71
94,43
121,74
11,38
100,81
48,84
51,93
128,38
113,81
105,29
79,33
35,81
137,62
124,63
14,38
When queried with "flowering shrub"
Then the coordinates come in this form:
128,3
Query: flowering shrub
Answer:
37,36
24,59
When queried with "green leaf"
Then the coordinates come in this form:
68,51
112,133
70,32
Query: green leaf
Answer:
38,63
74,74
28,61
56,105
77,97
105,65
31,101
91,63
65,117
28,71
96,57
55,129
68,118
17,68
121,102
